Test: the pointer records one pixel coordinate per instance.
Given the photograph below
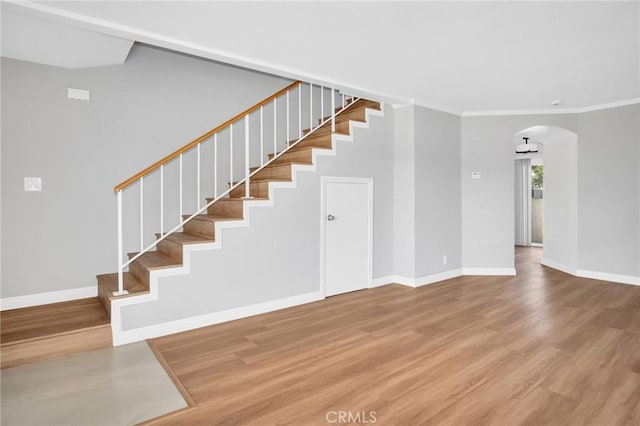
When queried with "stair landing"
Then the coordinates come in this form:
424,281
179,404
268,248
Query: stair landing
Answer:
48,331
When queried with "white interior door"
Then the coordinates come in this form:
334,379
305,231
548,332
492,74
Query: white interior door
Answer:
347,229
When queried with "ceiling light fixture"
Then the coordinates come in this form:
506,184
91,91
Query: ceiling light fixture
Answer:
556,102
526,147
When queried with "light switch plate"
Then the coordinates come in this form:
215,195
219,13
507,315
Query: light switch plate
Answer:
32,184
79,94
476,175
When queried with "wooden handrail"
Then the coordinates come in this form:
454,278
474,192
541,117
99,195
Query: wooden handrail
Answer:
202,138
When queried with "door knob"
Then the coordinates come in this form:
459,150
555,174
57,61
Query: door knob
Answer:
331,217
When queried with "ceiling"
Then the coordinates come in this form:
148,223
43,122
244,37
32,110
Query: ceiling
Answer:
48,42
462,57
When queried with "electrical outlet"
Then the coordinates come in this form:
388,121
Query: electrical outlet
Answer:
444,259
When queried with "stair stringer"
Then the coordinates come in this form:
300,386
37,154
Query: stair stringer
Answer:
122,337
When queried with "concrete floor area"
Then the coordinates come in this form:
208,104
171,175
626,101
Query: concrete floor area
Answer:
112,386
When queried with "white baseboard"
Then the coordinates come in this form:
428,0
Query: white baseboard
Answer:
122,337
488,271
440,276
559,266
28,300
399,279
595,275
605,276
380,281
393,279
416,282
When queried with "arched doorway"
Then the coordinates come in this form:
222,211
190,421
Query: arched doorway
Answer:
546,194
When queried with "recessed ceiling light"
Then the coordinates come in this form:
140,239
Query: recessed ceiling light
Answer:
556,102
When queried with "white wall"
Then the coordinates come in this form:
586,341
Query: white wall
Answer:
278,255
156,102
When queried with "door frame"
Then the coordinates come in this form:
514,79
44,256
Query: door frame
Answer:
324,180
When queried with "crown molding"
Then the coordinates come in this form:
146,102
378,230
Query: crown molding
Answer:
610,105
580,110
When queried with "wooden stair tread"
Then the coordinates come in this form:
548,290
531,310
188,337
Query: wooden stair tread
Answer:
312,137
281,153
349,112
213,218
186,238
369,104
153,260
237,199
261,180
326,129
355,113
315,135
362,103
302,146
108,283
339,108
27,324
283,164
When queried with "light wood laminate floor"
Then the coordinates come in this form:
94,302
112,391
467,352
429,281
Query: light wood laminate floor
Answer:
52,319
540,348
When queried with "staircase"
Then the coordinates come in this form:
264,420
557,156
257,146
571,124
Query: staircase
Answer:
201,229
223,208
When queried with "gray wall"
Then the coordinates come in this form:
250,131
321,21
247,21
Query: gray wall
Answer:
156,102
608,188
404,192
488,203
609,191
437,192
278,255
427,198
561,203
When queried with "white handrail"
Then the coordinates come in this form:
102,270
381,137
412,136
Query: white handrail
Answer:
251,144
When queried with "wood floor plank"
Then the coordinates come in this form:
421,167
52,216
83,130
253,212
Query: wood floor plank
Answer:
540,348
46,320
